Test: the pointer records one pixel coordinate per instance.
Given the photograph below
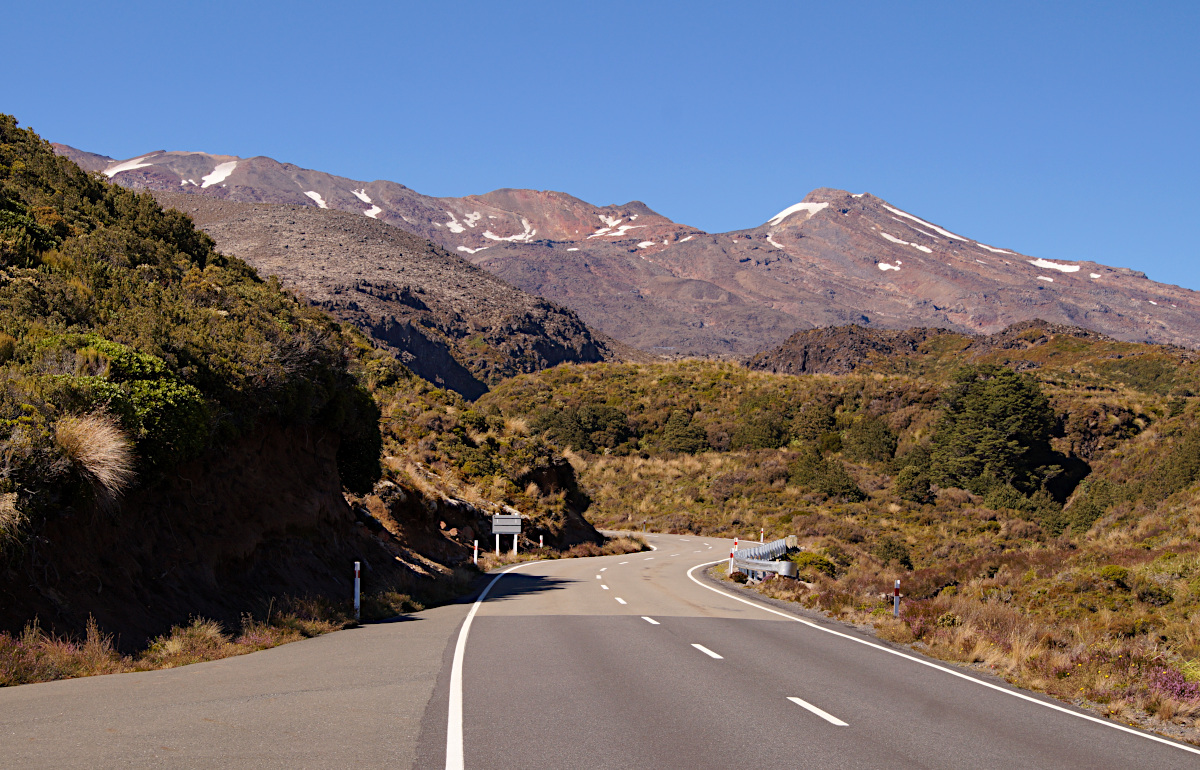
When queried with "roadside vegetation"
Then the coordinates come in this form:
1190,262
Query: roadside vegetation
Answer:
1037,499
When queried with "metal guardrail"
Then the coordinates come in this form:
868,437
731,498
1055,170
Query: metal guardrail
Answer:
764,559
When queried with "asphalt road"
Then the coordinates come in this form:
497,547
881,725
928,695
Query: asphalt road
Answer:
611,662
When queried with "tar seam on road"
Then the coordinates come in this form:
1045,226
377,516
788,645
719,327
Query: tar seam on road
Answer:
932,665
830,718
707,651
454,719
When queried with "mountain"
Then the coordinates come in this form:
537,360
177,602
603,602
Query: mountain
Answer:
832,259
451,322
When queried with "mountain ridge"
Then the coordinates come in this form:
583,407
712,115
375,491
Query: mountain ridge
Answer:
831,259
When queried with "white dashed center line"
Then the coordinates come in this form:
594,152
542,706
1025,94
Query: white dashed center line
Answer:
648,558
707,651
620,600
674,554
598,577
602,569
830,718
624,562
651,621
604,586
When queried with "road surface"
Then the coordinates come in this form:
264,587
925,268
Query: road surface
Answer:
628,661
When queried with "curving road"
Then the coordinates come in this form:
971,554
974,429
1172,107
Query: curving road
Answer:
613,662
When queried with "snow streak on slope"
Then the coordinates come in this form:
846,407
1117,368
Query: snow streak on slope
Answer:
128,165
811,208
946,233
316,196
219,174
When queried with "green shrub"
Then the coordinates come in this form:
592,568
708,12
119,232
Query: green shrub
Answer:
869,439
1115,574
808,564
890,549
913,484
680,434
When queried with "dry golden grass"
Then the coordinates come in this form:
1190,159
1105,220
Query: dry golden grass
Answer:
99,449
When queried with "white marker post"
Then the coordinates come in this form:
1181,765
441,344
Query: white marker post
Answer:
762,532
497,543
357,586
541,542
896,600
732,551
515,544
476,553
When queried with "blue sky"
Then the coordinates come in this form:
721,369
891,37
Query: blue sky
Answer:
1062,130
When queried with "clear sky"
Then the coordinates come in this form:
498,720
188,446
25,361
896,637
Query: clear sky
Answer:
1062,130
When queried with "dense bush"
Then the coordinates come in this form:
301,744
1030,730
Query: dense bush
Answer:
869,439
995,431
110,305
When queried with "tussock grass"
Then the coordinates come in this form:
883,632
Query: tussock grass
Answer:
98,448
612,546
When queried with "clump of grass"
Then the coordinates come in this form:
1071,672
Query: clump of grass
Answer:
99,450
612,546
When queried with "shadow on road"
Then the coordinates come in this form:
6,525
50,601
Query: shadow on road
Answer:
516,584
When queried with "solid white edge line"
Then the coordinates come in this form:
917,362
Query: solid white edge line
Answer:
930,664
620,600
707,651
454,719
651,621
830,718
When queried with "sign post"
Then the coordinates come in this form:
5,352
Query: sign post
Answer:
506,524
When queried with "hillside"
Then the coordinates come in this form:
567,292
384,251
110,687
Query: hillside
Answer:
182,439
1035,491
449,321
834,258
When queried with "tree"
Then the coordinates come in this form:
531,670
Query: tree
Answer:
680,434
869,439
995,431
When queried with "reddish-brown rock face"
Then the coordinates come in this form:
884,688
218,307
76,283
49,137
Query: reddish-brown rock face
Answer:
832,259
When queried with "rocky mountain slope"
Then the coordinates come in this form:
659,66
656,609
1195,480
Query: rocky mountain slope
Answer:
451,322
834,258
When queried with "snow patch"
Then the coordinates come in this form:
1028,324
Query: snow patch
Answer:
220,174
1094,275
1046,264
1152,302
454,225
472,251
994,251
894,239
521,237
811,208
620,231
857,195
645,244
684,240
914,227
572,249
473,218
980,261
316,196
128,165
362,195
1045,278
373,212
884,266
610,221
771,241
933,227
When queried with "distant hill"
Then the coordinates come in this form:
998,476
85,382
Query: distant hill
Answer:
451,322
833,259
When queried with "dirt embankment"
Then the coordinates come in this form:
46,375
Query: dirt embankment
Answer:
219,537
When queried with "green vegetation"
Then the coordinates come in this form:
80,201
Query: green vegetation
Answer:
129,345
1039,511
